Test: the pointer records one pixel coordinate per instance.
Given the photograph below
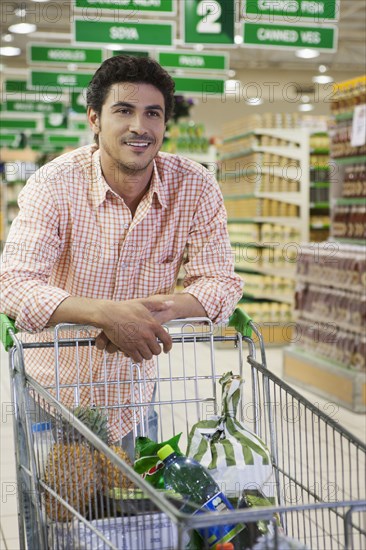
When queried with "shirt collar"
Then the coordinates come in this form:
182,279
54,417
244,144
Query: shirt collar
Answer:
99,187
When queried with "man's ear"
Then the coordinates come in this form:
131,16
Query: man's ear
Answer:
93,120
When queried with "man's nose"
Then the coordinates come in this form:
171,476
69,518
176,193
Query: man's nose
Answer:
137,124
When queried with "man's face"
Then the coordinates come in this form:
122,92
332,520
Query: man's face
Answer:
131,126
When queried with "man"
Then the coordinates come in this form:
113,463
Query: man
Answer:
100,238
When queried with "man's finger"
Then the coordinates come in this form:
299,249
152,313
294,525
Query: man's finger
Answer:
165,339
111,348
101,341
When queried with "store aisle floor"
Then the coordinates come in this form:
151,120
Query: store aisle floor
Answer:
355,423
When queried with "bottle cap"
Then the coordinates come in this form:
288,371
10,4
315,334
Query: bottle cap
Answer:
165,451
41,427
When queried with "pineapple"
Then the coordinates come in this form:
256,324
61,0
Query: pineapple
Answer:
76,471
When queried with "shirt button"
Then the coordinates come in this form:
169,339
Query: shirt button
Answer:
126,225
124,265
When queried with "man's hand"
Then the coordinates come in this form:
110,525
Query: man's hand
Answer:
134,327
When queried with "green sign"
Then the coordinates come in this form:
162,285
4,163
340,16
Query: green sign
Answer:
36,140
9,139
17,87
33,107
55,121
132,54
156,6
109,32
52,79
18,124
78,102
208,21
64,140
61,54
205,87
315,10
188,60
275,35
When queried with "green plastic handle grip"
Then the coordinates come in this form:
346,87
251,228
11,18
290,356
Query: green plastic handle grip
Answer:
241,322
6,324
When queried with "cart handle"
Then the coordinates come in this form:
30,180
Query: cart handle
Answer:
241,322
7,324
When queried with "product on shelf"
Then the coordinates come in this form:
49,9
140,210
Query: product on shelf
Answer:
186,137
354,184
347,95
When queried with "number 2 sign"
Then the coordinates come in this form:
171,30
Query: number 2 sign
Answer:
209,21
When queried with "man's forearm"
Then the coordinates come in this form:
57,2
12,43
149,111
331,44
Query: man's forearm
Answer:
83,311
184,305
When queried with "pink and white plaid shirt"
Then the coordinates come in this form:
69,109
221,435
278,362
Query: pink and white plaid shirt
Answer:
74,236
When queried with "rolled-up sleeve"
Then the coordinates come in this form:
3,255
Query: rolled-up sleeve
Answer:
210,275
32,249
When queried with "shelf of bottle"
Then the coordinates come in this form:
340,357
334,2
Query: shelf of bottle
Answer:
287,134
293,222
329,284
343,201
319,151
320,184
319,167
319,226
254,244
291,152
344,161
310,316
283,299
319,205
290,198
274,270
287,172
344,116
359,242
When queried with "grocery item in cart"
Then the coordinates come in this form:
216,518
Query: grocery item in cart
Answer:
148,463
76,471
200,492
235,456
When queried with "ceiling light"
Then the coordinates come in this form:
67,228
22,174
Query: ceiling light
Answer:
231,73
22,28
238,39
323,79
198,47
305,99
323,68
114,47
20,12
307,53
8,38
72,67
306,107
9,51
254,101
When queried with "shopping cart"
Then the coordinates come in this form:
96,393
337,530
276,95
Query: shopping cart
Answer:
319,466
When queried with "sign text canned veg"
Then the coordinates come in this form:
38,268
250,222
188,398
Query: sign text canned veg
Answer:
108,32
209,21
315,10
289,36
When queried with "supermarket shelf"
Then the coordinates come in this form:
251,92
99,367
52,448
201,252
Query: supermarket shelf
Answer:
319,167
293,222
288,152
286,134
289,273
290,198
320,184
319,226
327,378
287,172
342,201
319,151
332,284
344,116
319,205
344,161
254,244
12,203
360,242
289,299
326,320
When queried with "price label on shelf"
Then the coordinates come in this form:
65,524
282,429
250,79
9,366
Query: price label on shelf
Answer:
358,137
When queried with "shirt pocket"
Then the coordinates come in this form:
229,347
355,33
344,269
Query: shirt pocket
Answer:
156,278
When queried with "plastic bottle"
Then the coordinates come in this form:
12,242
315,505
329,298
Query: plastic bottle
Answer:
43,441
191,480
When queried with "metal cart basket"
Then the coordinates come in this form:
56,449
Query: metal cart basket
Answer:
319,467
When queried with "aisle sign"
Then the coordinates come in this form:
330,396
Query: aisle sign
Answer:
33,107
78,102
208,21
197,61
131,53
315,10
61,54
204,87
17,87
155,6
19,124
110,32
289,37
52,79
65,140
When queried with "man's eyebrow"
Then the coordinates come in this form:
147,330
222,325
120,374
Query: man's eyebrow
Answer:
133,106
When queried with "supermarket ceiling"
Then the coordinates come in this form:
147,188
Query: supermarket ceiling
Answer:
54,22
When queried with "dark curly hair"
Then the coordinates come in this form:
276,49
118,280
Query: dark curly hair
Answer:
125,68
